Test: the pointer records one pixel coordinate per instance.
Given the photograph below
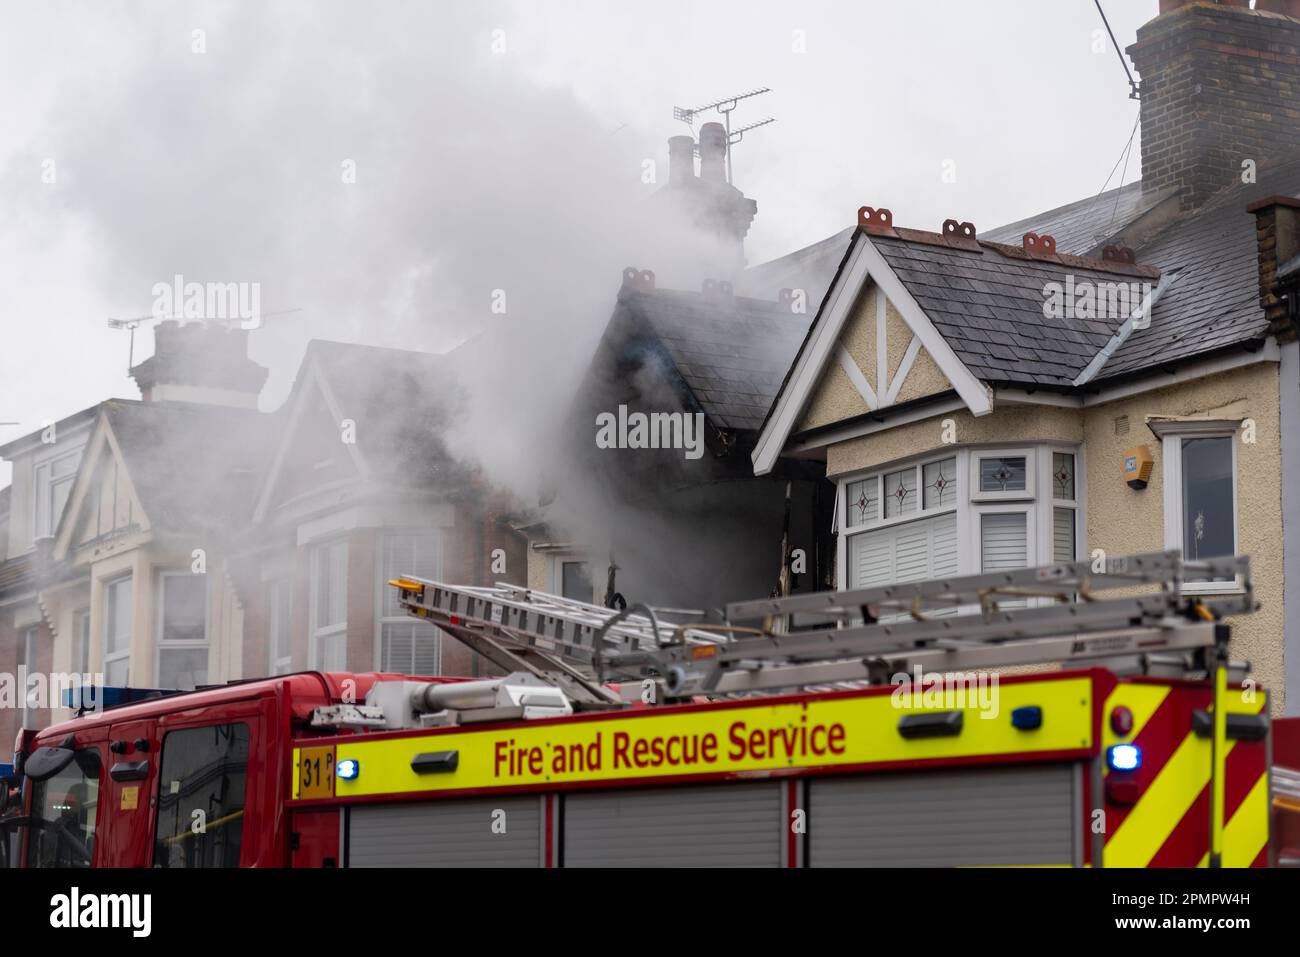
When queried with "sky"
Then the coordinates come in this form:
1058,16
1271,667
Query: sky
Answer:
389,169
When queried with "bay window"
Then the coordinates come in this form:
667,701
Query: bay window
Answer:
182,630
329,606
117,631
406,645
963,512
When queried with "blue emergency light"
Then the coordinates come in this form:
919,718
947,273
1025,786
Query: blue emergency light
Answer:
1124,757
94,698
347,769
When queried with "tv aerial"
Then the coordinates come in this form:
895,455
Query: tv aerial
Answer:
725,107
134,323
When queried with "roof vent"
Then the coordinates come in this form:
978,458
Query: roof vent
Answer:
1118,254
1033,243
642,280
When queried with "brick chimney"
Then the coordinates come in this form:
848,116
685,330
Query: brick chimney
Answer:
702,219
1220,84
1277,236
200,362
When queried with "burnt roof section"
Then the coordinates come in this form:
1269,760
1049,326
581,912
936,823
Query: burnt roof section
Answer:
731,352
987,300
401,401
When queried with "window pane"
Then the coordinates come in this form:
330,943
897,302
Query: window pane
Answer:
83,642
576,581
58,498
115,673
1063,475
185,607
117,636
862,501
900,492
411,649
407,553
940,484
1002,474
330,585
331,652
1208,514
203,770
68,803
1003,541
281,620
184,668
1063,547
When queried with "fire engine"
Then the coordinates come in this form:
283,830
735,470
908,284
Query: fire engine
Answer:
1067,715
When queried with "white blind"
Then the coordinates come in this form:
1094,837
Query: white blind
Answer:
904,553
1063,535
1003,542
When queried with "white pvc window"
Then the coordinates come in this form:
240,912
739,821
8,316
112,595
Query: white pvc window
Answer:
53,484
182,630
329,604
1064,484
30,648
408,646
117,631
280,626
81,661
1200,499
1002,474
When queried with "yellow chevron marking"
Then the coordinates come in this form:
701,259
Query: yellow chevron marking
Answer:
1247,832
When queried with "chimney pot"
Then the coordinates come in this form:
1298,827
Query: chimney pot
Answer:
681,160
713,152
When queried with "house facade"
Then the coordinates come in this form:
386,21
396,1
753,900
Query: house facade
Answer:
990,401
189,539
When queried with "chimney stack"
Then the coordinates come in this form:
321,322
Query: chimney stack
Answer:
713,153
200,362
1277,238
681,160
1219,86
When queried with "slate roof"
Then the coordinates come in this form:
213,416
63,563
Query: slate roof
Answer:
1086,224
731,352
989,305
193,466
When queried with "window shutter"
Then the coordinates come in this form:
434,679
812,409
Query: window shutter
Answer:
905,553
1003,541
1063,535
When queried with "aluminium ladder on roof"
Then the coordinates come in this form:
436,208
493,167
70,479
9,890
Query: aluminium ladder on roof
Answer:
1054,613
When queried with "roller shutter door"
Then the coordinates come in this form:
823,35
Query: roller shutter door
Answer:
724,825
451,833
968,817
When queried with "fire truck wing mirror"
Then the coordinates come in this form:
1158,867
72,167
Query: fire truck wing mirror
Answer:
48,761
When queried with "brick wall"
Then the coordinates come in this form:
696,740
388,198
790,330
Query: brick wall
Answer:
1219,85
1277,236
11,653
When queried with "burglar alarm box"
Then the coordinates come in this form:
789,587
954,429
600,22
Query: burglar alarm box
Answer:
1137,466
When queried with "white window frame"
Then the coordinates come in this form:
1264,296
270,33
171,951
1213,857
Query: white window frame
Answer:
1046,544
81,650
44,521
161,644
317,631
382,587
845,530
112,657
283,665
1171,453
977,513
1028,452
31,636
555,572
